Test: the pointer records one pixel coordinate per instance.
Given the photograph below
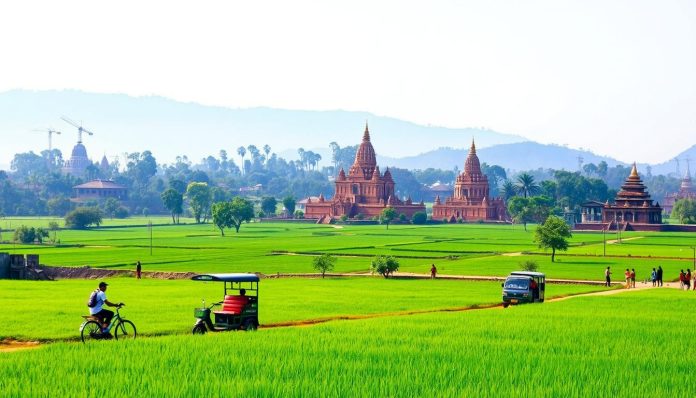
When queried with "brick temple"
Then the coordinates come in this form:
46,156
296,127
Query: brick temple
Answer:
471,200
363,191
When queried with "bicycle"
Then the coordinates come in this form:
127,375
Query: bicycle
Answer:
91,328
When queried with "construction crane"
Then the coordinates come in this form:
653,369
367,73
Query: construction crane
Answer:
50,132
80,129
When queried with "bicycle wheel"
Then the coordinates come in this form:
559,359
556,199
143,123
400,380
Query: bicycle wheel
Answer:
91,330
199,329
125,330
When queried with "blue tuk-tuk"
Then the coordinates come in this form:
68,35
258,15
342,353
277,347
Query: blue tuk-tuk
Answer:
524,287
239,307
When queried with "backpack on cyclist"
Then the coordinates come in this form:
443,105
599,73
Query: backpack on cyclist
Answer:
92,302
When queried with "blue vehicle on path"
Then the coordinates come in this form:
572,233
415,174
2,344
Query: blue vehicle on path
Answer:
524,287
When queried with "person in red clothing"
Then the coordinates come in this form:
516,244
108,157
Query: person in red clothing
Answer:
687,279
681,279
627,274
633,277
534,287
433,272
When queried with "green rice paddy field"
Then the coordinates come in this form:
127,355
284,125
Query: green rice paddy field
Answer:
624,345
634,343
471,249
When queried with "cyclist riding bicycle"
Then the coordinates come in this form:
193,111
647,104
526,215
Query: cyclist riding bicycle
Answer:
103,315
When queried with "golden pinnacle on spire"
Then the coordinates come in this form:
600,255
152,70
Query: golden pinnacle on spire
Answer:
634,171
366,136
473,146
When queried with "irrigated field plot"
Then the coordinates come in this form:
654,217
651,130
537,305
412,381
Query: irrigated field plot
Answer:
472,249
625,345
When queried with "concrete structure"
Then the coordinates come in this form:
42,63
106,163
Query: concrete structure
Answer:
471,200
99,190
364,191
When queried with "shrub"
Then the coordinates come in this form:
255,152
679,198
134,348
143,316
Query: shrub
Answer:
359,216
121,212
344,218
402,217
299,214
385,265
83,217
419,218
25,234
529,265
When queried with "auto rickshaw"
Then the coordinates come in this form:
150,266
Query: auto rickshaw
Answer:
239,307
524,287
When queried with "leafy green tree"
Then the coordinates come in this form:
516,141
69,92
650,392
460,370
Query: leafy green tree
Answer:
685,211
58,206
178,186
289,204
268,205
508,190
519,210
198,195
174,202
25,234
110,206
324,263
387,215
552,234
242,211
41,233
53,226
526,185
83,217
385,265
419,218
121,212
299,214
222,216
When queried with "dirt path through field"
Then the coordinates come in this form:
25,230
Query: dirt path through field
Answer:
10,345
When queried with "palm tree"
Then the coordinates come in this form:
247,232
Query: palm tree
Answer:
526,185
267,150
508,189
242,151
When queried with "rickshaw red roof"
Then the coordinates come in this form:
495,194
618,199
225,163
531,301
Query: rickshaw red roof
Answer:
226,278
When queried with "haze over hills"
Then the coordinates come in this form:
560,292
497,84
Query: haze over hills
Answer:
169,128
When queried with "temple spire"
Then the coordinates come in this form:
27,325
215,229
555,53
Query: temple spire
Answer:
366,136
634,171
473,146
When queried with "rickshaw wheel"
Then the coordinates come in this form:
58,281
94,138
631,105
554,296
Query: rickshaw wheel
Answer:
199,329
250,325
505,305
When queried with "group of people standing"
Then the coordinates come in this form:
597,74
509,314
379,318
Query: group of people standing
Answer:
685,279
630,276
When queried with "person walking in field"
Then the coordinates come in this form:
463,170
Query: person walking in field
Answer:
607,276
681,279
659,276
433,271
633,277
138,269
627,275
653,276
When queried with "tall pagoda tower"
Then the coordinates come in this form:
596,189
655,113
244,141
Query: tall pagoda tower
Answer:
364,190
471,200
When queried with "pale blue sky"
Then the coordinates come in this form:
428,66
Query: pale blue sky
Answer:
592,74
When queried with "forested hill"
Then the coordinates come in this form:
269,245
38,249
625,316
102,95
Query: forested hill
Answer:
516,156
168,128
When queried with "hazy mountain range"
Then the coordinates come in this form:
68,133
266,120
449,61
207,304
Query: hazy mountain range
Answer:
169,128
